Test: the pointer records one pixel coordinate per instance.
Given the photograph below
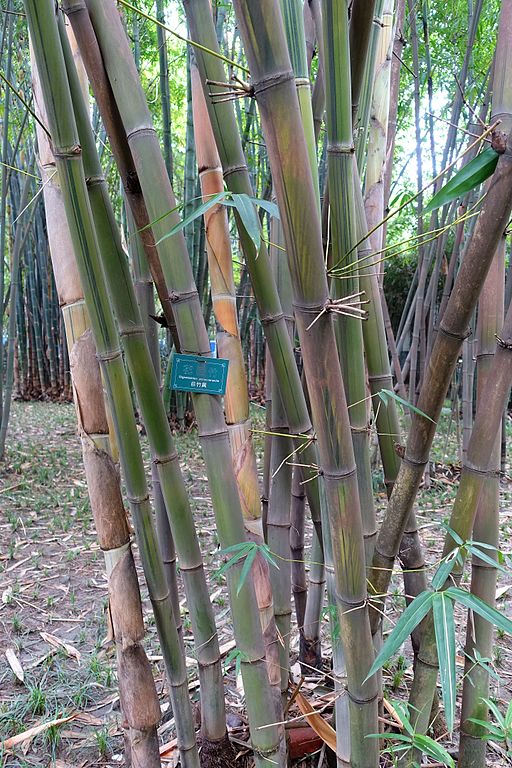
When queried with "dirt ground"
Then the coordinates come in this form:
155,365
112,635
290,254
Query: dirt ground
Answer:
57,670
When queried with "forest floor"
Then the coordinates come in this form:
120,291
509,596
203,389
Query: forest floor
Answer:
57,669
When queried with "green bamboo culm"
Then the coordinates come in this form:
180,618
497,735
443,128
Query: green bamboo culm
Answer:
293,19
193,338
479,635
237,179
273,84
138,698
311,109
51,65
20,236
349,332
144,292
141,368
472,752
9,22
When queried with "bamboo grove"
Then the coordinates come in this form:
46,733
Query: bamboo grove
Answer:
267,198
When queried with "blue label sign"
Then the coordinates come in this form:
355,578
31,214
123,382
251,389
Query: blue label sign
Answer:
193,373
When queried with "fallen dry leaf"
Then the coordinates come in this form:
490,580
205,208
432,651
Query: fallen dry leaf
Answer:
392,711
34,731
316,721
58,643
15,664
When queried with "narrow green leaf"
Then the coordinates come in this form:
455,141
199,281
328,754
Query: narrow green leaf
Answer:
478,606
444,570
241,550
477,552
222,570
496,712
249,560
383,396
406,404
268,554
163,216
444,626
470,176
455,536
267,205
433,749
493,730
410,618
236,547
483,662
203,208
247,213
483,545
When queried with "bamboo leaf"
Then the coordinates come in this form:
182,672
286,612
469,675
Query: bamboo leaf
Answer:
199,211
410,618
433,749
493,730
236,547
267,554
400,400
444,626
249,560
470,176
455,536
240,550
247,213
496,712
444,570
383,396
267,205
478,606
477,552
160,218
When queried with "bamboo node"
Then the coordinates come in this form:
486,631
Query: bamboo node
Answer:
138,499
235,169
338,474
106,357
416,463
135,330
459,336
166,459
213,434
340,149
175,297
476,470
360,430
94,181
383,556
145,131
270,319
361,702
272,81
62,152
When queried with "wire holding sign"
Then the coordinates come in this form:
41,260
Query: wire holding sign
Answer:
193,373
